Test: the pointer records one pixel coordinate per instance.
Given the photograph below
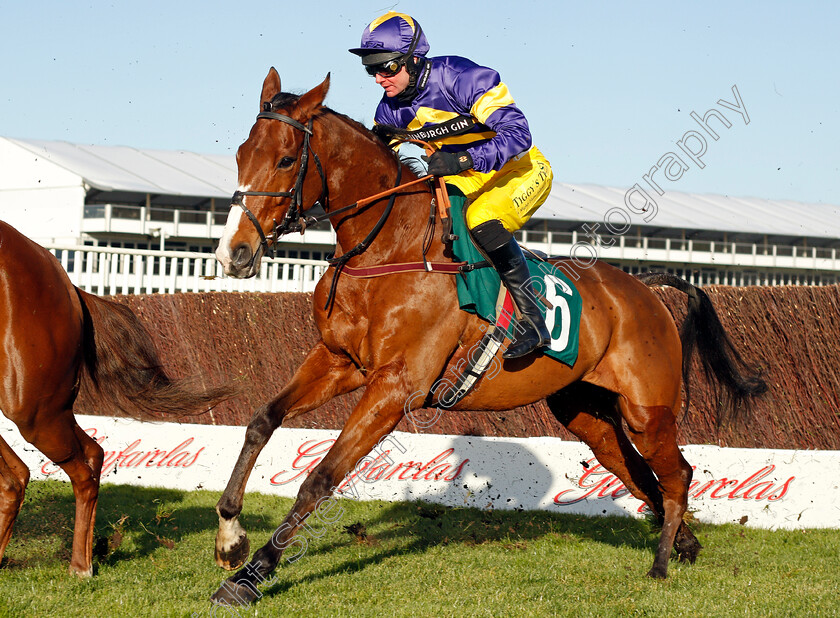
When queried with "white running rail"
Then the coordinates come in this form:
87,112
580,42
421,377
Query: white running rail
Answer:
105,271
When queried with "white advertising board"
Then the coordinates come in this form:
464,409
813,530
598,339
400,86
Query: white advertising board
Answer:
756,487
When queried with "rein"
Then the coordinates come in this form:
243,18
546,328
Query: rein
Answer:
340,262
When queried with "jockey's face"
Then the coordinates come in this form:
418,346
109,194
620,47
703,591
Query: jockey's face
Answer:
395,84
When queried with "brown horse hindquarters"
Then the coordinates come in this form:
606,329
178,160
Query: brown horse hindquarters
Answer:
643,367
643,359
41,325
630,347
51,342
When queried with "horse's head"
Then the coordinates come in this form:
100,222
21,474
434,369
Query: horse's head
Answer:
275,181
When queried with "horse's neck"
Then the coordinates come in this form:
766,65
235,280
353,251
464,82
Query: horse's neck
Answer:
368,171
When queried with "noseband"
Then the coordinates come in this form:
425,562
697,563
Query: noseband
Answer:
293,221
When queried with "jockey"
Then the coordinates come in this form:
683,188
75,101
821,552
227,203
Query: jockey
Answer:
484,148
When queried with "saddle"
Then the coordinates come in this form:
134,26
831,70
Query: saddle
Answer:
480,292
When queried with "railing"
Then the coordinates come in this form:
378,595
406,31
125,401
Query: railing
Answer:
704,253
104,271
700,276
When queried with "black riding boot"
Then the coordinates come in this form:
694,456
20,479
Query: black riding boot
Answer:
505,254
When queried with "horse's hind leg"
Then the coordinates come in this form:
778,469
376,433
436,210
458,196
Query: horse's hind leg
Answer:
653,430
322,376
591,414
14,476
75,452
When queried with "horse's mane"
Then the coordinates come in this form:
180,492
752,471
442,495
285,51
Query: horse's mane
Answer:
382,134
283,100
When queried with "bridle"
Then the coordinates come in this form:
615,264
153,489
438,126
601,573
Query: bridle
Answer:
293,221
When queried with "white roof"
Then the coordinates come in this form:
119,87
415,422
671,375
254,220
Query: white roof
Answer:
692,211
121,168
182,173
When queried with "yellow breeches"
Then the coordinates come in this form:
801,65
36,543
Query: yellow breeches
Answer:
511,194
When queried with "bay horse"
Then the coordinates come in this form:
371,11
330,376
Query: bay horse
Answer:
397,334
56,340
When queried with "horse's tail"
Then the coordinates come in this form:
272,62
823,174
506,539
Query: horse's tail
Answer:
733,380
122,366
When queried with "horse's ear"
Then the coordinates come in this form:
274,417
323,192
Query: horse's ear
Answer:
311,101
271,87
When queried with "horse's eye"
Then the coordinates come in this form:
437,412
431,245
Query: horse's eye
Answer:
285,163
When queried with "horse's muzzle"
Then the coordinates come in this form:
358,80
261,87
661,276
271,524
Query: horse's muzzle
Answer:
242,262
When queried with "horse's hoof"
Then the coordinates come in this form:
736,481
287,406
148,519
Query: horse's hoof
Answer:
236,556
80,572
689,554
686,545
233,594
658,572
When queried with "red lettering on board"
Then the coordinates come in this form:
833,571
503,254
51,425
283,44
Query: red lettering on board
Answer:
132,457
381,467
597,483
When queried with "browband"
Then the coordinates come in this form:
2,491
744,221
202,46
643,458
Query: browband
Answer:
286,119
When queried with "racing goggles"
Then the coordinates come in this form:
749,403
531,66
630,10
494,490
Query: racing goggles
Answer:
385,69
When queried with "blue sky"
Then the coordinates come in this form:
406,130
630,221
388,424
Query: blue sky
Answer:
607,87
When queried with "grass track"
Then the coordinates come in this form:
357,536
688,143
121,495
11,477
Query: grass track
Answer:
417,559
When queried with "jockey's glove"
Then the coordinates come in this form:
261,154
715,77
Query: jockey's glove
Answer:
442,163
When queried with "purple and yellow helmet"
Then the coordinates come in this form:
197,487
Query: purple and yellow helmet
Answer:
391,36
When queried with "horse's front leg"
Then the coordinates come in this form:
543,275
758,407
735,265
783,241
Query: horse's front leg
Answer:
322,376
377,413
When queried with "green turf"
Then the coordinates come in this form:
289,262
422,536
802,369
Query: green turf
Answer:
155,558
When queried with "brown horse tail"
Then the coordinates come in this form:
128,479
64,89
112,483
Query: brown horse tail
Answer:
733,380
122,367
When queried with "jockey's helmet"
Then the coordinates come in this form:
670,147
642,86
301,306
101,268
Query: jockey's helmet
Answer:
390,37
